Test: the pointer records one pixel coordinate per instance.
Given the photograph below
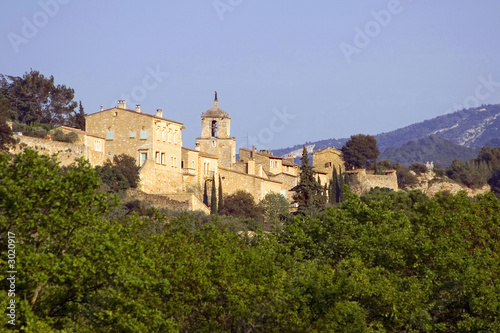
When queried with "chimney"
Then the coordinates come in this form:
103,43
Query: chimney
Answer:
251,167
138,108
102,107
159,113
122,104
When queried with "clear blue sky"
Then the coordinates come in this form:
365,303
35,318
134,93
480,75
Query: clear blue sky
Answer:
264,58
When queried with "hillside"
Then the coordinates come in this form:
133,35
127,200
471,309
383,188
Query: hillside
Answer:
432,148
472,128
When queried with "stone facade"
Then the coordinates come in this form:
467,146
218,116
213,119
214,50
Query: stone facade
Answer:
66,152
364,182
325,160
216,137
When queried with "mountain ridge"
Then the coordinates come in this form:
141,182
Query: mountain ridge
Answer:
472,128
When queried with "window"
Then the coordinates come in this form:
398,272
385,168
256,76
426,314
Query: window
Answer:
328,164
109,135
157,157
115,114
163,158
132,135
144,134
214,144
182,164
171,161
169,136
144,157
163,135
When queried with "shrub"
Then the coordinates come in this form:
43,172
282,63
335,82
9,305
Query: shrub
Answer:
418,167
59,135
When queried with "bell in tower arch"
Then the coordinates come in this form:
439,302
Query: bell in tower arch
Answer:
214,128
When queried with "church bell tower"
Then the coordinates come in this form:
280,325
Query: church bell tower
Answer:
216,137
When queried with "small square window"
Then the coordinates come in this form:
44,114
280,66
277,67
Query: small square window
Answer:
110,135
144,134
132,135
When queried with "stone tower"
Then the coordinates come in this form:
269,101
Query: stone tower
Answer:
216,137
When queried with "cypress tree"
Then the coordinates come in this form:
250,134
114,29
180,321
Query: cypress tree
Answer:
213,201
332,195
308,191
205,194
221,197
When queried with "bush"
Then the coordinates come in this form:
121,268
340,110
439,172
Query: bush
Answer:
418,167
59,135
36,132
241,204
405,177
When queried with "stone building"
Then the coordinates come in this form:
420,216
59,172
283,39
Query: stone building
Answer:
170,169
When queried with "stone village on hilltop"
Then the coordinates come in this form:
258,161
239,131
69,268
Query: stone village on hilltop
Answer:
177,173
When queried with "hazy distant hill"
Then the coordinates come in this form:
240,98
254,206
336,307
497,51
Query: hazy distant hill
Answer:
473,128
432,148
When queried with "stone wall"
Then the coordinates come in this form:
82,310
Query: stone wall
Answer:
157,200
365,182
66,152
233,181
157,178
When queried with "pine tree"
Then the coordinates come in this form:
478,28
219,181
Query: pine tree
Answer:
205,194
213,201
221,197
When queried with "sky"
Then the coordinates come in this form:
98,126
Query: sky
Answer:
287,72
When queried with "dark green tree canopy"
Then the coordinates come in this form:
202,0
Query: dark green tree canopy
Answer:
308,192
360,151
35,98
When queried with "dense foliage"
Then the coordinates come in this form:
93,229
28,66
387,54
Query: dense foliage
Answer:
119,175
388,261
360,151
309,194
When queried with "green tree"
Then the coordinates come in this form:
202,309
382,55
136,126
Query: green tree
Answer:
275,209
221,196
205,194
213,200
119,175
6,138
308,192
128,166
56,216
79,118
241,204
360,151
37,99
